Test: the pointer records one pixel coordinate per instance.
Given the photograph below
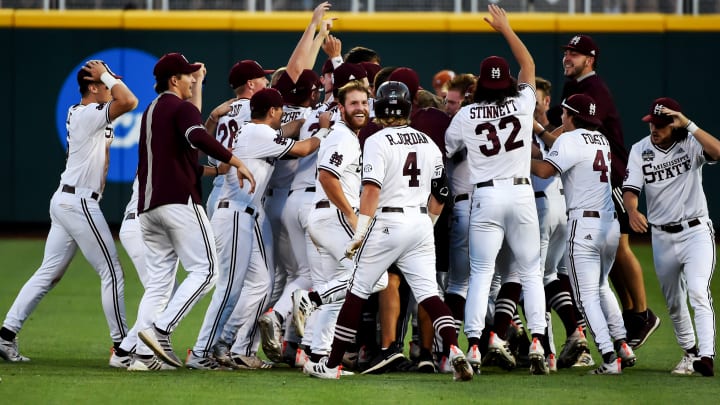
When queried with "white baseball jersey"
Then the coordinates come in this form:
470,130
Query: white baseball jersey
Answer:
583,159
307,166
458,171
340,154
672,179
229,124
285,169
398,160
258,146
86,150
498,137
552,185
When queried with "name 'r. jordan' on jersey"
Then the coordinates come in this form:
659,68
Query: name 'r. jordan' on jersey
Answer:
668,176
403,162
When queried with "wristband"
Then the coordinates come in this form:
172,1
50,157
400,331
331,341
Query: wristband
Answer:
363,223
322,133
691,127
109,80
336,61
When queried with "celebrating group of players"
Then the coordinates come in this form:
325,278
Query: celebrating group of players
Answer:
380,202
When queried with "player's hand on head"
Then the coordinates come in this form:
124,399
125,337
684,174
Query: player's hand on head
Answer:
96,68
679,119
200,74
223,108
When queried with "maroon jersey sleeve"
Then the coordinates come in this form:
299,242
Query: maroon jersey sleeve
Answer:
189,122
432,122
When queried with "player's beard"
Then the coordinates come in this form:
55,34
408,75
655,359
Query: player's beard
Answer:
353,120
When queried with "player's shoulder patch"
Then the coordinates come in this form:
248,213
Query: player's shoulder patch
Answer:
648,155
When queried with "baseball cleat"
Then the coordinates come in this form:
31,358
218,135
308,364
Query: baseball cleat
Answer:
642,328
538,366
9,351
160,344
425,362
704,366
499,349
462,371
302,307
626,355
584,360
321,370
685,367
613,367
117,361
202,363
152,363
221,353
270,335
575,345
250,362
385,360
552,363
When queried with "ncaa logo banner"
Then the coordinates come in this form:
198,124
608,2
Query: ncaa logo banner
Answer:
136,67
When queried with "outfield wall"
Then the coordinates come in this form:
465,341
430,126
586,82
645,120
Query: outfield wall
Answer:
641,57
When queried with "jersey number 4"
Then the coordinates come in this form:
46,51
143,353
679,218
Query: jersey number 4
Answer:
599,165
410,168
491,132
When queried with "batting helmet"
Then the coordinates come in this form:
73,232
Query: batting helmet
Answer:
392,99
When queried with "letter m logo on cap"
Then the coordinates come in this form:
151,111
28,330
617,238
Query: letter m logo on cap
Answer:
495,73
657,110
575,40
592,109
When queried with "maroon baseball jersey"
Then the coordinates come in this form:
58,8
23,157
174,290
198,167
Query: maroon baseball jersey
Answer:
432,122
168,168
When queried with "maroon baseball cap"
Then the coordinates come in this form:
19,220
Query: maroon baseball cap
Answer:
173,64
371,69
583,44
408,77
346,73
495,73
656,116
245,70
265,99
584,107
299,91
327,67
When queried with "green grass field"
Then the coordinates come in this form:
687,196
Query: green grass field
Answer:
67,340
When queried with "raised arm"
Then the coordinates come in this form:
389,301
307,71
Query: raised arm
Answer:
500,24
301,56
710,144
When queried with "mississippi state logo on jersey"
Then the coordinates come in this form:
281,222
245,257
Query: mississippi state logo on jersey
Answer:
648,155
336,159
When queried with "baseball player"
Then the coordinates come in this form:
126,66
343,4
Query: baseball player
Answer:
579,62
581,155
497,131
240,224
331,221
245,78
174,225
76,218
668,165
402,168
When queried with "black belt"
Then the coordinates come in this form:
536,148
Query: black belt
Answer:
675,228
423,210
130,215
226,204
322,204
516,181
541,194
595,214
307,190
71,190
461,197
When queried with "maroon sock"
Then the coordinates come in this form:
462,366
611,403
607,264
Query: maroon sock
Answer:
565,281
456,303
561,302
442,321
505,307
346,328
